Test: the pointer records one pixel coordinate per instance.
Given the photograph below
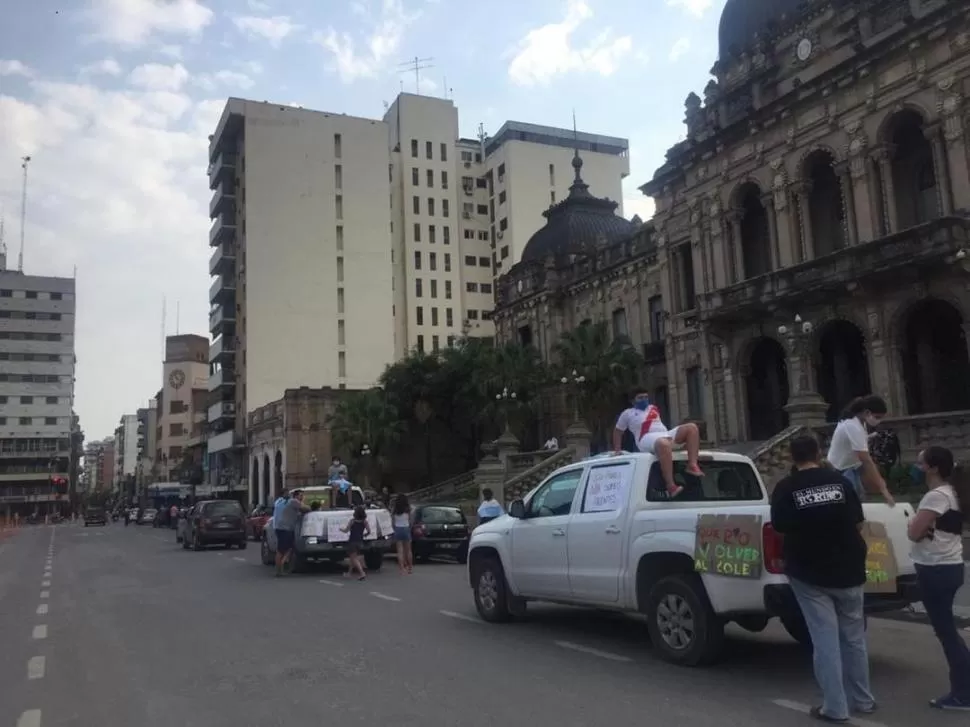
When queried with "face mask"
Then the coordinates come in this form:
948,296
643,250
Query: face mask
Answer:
917,474
641,404
873,421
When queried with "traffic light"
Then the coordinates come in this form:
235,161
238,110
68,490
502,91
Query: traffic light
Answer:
60,484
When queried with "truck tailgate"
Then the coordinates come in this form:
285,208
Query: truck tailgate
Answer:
896,519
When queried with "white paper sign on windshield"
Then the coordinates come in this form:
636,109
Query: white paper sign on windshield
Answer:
334,532
608,488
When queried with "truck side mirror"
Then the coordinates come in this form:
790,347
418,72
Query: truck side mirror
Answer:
517,509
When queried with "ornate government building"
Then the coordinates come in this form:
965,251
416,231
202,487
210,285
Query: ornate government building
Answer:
810,241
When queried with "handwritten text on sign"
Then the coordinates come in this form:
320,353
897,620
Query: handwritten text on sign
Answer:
728,545
608,488
880,559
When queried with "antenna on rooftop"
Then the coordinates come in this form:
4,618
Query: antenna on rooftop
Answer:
23,214
416,66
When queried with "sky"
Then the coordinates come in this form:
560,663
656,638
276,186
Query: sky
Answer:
113,100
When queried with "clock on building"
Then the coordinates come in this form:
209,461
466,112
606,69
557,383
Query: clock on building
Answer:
804,49
177,379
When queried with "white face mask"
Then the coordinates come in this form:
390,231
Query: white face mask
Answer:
873,421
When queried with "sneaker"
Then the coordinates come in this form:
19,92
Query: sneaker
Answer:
950,704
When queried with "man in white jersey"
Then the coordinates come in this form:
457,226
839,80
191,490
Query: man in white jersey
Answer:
643,421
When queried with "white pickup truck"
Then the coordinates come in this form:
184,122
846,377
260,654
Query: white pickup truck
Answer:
601,533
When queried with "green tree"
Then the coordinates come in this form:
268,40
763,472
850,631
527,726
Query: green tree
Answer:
367,417
609,366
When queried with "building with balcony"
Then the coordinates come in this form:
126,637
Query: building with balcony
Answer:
810,242
182,404
126,456
36,390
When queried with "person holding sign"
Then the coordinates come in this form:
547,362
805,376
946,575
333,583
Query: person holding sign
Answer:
849,448
937,535
820,515
643,421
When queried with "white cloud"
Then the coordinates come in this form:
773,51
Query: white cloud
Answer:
106,67
117,188
159,77
133,22
274,29
636,203
14,68
225,78
380,44
697,8
548,51
172,51
678,49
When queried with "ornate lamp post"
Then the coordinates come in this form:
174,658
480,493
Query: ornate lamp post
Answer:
575,382
507,398
365,453
805,407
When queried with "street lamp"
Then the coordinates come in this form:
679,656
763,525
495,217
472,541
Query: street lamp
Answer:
505,399
798,336
576,380
365,452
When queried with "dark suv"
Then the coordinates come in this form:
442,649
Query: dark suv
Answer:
215,522
94,515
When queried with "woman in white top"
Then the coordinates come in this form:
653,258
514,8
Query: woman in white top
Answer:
936,532
849,448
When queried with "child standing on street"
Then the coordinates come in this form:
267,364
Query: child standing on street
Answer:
358,527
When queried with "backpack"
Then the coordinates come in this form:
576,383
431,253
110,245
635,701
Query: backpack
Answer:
884,448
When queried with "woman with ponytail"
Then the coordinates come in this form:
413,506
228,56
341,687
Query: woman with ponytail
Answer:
849,449
937,535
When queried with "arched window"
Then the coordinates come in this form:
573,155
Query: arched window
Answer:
825,204
755,236
914,176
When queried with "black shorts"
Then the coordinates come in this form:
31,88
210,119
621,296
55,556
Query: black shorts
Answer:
284,541
354,547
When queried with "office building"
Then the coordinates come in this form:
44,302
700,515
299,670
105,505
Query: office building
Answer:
126,454
36,390
182,403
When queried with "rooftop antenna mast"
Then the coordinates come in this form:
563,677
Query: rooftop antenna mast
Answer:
23,214
482,138
164,305
416,66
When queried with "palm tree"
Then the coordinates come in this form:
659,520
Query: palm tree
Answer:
609,365
367,417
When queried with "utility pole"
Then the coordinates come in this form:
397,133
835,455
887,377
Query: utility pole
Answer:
23,214
417,65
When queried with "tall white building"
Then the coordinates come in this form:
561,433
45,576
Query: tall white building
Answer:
126,453
341,243
36,389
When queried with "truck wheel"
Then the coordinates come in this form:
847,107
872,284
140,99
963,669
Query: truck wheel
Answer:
681,621
266,556
492,598
374,559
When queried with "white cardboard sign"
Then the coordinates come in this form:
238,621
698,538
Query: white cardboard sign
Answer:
608,487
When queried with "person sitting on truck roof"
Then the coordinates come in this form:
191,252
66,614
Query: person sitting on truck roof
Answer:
643,421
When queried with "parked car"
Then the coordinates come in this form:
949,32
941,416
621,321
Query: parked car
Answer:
439,530
601,533
95,516
215,522
257,521
147,516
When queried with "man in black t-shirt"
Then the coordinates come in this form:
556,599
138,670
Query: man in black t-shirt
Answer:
820,516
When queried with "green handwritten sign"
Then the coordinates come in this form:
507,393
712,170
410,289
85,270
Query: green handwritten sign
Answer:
881,566
728,545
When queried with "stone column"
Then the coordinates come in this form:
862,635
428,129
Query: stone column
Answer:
490,473
718,242
884,157
848,199
957,151
737,251
505,446
941,169
768,200
805,407
803,191
577,438
877,207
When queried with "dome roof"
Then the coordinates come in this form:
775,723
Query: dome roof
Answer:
579,224
742,20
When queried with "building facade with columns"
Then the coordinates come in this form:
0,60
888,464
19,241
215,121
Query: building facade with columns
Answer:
810,233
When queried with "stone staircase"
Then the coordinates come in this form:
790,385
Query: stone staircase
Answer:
455,488
520,485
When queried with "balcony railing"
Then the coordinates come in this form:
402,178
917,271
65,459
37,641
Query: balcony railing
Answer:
223,201
221,349
222,290
222,410
223,231
222,378
222,169
222,442
221,318
223,259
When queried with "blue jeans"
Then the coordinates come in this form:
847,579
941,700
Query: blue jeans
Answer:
939,585
836,621
854,476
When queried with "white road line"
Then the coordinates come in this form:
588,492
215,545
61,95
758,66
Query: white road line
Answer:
42,609
241,560
40,631
30,718
332,583
45,594
36,667
591,651
384,596
45,584
461,617
805,709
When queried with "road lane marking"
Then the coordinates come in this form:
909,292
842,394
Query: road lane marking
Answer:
45,594
36,667
591,651
45,584
42,609
241,560
461,617
383,596
30,718
40,631
332,583
806,709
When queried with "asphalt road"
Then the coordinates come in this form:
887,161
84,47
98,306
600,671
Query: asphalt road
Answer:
117,627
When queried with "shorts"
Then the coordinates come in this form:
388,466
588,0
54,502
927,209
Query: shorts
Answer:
402,534
284,541
354,546
649,440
